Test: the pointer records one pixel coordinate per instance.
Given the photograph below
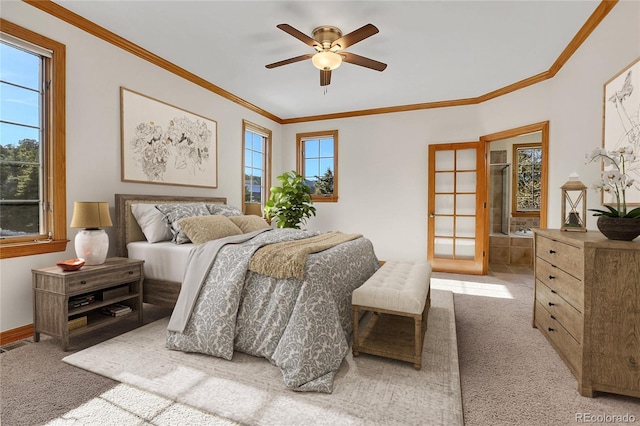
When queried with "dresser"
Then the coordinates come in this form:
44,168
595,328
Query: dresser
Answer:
587,305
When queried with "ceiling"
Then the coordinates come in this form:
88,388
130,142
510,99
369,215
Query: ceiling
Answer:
435,50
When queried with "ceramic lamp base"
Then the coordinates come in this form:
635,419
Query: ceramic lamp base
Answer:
92,246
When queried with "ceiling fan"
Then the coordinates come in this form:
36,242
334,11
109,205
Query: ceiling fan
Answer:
329,43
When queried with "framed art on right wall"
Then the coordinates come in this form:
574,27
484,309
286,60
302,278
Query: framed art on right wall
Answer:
621,122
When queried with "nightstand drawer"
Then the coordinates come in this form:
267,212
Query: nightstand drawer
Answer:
91,281
566,286
565,256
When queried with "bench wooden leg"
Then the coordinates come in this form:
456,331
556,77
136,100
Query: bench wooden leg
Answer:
425,313
417,360
356,321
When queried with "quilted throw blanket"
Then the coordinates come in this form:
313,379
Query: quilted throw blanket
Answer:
302,326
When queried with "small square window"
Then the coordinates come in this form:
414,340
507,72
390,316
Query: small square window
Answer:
317,155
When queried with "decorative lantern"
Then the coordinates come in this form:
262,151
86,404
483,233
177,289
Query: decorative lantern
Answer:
574,205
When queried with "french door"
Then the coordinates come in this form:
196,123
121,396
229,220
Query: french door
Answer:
456,208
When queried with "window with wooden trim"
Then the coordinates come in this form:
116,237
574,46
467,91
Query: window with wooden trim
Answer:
527,179
317,162
256,161
32,144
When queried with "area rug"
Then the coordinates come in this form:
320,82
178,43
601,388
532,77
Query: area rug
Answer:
368,389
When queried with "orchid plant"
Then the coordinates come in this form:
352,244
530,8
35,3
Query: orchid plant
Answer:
614,179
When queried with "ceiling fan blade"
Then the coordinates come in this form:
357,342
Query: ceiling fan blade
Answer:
355,36
299,35
325,77
290,61
352,58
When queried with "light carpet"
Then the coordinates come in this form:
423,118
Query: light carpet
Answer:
367,390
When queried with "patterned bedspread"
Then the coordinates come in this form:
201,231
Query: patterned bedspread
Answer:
301,326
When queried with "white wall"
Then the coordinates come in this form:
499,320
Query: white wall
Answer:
382,172
382,158
95,72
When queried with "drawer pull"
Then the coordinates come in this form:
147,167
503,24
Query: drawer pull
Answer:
554,292
551,277
551,329
551,304
130,272
83,282
552,251
552,317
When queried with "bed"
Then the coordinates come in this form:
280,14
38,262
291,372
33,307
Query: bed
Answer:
251,293
158,290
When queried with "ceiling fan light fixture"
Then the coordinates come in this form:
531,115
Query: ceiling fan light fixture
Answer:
326,60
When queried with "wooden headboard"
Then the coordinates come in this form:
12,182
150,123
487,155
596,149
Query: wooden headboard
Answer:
127,228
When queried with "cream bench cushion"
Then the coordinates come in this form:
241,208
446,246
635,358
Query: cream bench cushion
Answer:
396,286
397,291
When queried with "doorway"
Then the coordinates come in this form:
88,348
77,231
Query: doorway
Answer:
509,218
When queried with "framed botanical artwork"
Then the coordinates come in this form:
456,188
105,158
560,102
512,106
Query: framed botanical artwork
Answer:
621,123
164,144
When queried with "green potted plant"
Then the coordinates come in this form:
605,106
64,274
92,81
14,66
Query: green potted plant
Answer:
290,204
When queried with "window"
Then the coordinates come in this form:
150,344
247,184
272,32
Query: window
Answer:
256,160
317,155
32,144
527,179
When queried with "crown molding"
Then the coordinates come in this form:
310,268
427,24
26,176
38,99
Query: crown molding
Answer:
90,27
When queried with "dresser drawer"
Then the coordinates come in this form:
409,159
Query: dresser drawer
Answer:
560,310
566,286
92,281
564,256
568,348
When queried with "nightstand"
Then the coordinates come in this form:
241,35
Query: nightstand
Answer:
67,304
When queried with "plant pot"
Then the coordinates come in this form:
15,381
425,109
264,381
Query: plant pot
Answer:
619,228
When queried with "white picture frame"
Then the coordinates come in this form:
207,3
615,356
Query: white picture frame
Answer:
621,123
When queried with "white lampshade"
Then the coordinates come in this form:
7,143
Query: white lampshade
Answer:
92,243
326,60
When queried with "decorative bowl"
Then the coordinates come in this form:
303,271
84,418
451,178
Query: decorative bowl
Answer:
70,264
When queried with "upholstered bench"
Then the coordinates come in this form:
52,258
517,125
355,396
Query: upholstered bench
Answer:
398,298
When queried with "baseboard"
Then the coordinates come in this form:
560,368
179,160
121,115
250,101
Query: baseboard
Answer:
16,334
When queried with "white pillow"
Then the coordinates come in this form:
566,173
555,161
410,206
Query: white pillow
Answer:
152,222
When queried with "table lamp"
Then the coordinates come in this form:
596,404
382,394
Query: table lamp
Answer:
92,243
